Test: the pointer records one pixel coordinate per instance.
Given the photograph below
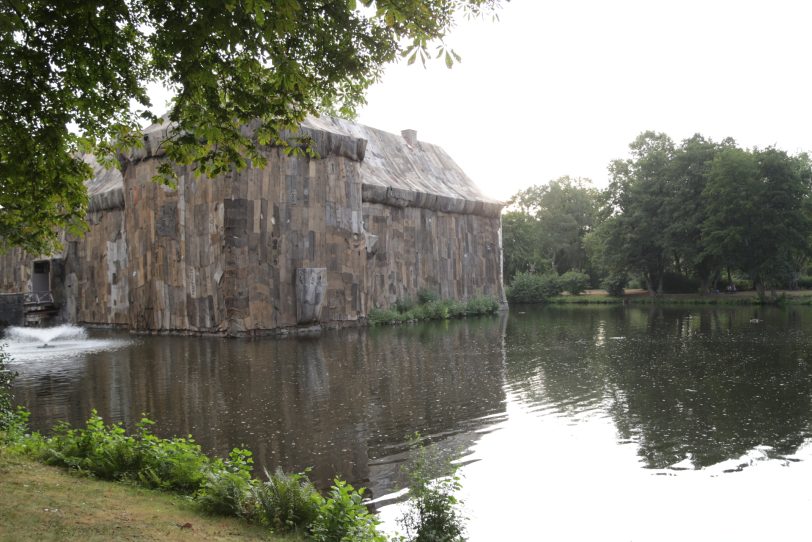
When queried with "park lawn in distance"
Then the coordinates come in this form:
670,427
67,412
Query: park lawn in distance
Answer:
39,502
641,297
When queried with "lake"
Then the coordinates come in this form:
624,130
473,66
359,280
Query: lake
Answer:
569,422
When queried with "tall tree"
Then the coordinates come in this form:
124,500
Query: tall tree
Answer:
758,212
70,71
636,203
564,211
521,249
688,209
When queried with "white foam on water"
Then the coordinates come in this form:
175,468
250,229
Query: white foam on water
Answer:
45,335
49,344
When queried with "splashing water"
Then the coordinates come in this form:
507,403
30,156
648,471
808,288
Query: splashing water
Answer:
52,345
45,335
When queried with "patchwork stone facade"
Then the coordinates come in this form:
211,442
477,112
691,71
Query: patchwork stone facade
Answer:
381,216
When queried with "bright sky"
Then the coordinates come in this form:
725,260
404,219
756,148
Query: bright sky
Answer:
562,87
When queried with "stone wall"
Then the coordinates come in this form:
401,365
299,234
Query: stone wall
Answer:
220,256
15,271
95,285
453,255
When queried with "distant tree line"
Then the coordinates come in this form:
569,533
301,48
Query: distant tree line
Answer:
693,217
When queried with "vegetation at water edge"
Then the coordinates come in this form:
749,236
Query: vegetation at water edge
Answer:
218,486
6,380
432,512
430,307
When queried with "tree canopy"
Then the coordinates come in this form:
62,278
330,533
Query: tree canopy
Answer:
546,224
674,217
697,208
74,76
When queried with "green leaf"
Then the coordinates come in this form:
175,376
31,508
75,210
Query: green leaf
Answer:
228,64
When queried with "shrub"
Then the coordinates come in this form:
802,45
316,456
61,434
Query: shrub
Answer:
532,288
226,488
14,434
425,296
7,376
525,288
614,284
481,305
104,451
176,463
432,512
457,309
573,282
286,502
434,310
383,316
549,285
342,517
108,452
404,305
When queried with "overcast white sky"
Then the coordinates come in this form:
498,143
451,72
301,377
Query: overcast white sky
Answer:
562,87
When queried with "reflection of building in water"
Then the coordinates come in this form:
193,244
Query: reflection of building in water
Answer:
341,404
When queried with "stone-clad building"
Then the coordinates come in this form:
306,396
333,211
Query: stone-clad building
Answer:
375,218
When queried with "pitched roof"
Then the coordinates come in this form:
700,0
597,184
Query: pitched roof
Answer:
105,190
421,174
393,171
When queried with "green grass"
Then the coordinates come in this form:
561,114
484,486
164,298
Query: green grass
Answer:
43,503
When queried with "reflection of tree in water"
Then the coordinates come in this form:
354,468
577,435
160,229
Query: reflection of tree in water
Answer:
677,381
713,386
550,355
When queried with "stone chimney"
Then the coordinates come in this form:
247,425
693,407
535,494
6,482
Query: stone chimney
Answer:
410,136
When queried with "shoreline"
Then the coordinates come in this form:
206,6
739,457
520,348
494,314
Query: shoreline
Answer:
642,297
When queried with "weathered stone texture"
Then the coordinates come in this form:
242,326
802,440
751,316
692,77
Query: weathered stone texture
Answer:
219,255
453,255
95,282
383,218
15,271
311,284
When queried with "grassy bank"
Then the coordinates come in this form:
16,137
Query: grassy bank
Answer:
167,489
40,502
216,487
639,297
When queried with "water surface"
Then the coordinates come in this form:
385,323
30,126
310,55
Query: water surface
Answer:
572,423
